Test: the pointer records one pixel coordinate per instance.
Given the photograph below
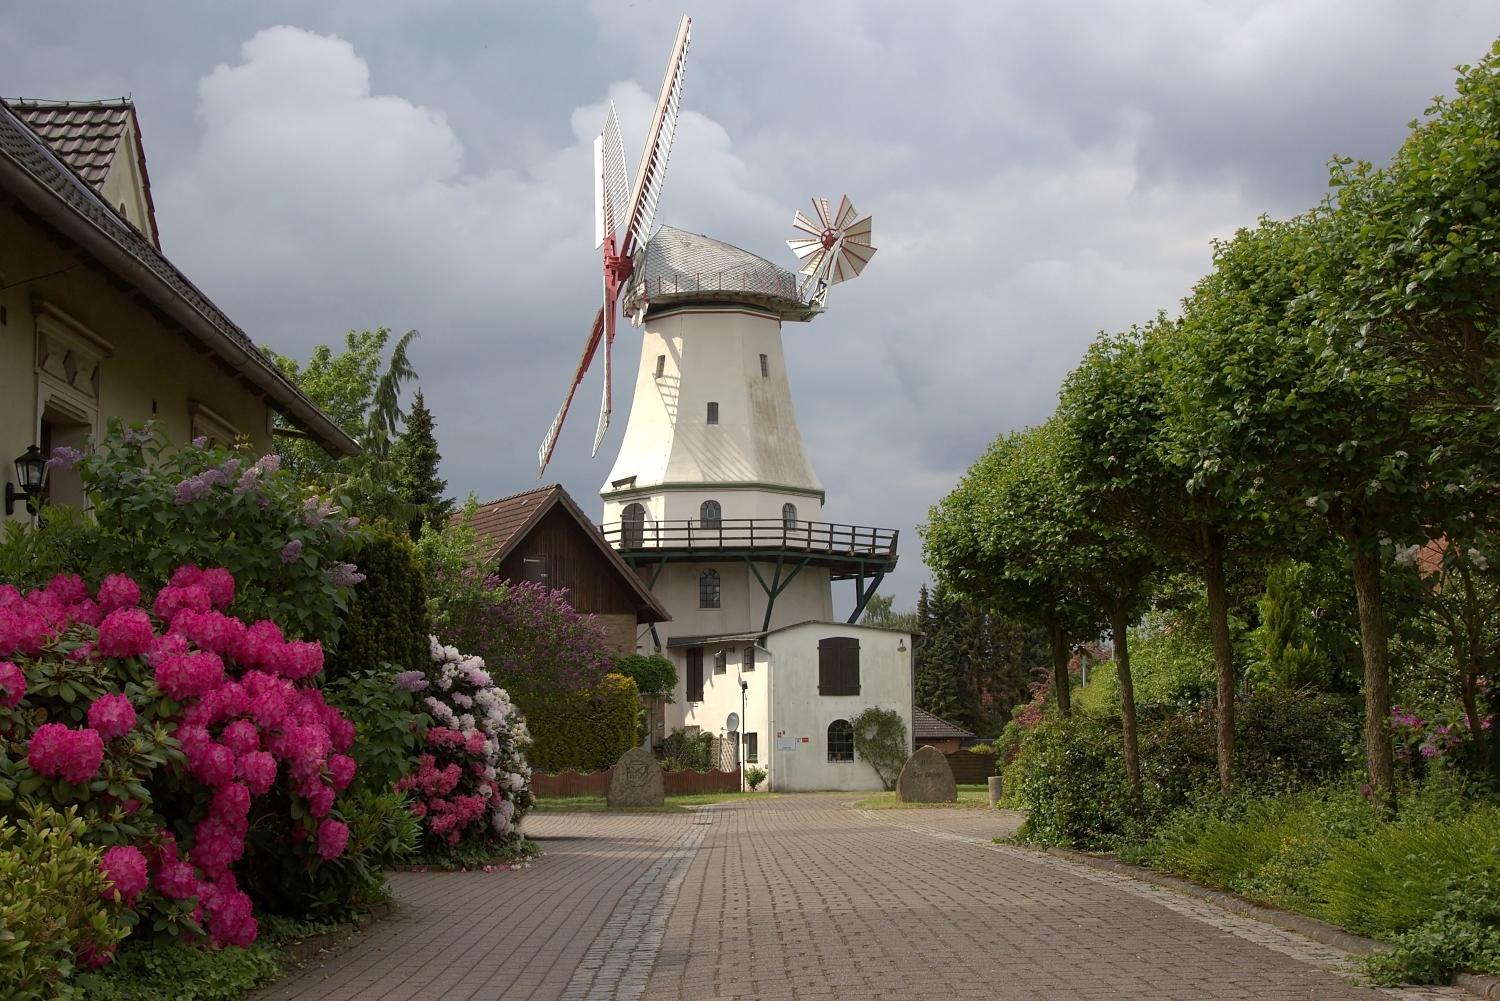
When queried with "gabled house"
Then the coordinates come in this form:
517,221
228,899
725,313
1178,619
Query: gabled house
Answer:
95,322
543,537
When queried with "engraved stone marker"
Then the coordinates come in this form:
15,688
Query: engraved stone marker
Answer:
926,778
637,781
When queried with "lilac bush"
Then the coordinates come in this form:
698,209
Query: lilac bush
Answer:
535,644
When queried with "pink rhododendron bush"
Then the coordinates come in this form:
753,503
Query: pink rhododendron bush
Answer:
172,728
472,784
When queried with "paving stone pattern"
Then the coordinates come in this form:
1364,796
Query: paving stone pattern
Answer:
804,897
505,934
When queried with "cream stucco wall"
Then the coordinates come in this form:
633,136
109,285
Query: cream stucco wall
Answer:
782,704
149,371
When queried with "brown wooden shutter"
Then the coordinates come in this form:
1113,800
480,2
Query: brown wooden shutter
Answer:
838,666
695,674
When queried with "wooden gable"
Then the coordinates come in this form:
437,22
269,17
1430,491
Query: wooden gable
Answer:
543,535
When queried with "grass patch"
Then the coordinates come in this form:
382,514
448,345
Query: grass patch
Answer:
970,797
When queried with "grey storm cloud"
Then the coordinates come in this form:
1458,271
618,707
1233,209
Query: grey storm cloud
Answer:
1037,173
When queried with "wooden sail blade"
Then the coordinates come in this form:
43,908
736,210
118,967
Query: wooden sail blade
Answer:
846,214
640,211
616,173
820,206
607,404
849,262
549,442
803,247
802,222
859,232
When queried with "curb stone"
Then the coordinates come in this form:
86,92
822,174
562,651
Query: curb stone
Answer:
1482,985
302,950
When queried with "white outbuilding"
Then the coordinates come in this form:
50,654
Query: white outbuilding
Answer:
714,502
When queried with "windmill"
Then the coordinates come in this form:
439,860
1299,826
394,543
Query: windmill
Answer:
617,203
837,250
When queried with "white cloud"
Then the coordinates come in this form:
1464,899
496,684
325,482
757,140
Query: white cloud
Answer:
1036,173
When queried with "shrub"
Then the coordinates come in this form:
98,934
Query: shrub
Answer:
156,507
682,751
1398,876
473,784
387,618
754,776
586,731
208,727
653,675
1464,934
54,913
1073,776
880,741
537,646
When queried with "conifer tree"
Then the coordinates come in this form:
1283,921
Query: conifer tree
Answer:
417,459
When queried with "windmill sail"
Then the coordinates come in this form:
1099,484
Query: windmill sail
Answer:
648,180
612,210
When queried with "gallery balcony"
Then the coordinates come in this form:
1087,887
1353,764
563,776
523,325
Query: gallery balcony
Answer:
847,552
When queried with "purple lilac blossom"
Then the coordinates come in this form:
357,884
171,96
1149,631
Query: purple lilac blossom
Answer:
411,681
63,457
291,551
345,575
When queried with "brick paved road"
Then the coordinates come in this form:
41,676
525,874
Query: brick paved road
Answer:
803,897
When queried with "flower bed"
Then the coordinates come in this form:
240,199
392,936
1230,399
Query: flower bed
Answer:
168,729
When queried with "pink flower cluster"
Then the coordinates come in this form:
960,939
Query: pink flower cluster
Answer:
475,777
247,717
59,752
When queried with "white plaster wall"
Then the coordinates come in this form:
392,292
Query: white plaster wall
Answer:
721,695
800,712
742,600
713,354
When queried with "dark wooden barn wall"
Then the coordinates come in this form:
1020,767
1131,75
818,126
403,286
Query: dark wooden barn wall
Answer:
592,583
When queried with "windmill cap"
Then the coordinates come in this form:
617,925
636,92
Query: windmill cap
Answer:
676,267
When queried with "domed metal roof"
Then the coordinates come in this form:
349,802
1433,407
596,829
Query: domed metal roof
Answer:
676,267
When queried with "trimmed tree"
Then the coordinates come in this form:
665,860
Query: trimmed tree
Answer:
416,457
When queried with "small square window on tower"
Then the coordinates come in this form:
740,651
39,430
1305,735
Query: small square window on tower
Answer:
765,368
713,413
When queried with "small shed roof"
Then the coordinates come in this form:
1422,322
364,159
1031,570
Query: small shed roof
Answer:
501,525
925,726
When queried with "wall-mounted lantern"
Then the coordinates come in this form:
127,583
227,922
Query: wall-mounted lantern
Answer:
30,469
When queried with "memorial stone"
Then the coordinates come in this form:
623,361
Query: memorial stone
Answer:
926,778
637,781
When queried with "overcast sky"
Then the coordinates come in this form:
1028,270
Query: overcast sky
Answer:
1037,173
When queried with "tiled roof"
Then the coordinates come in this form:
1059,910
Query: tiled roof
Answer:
925,726
33,157
87,136
497,524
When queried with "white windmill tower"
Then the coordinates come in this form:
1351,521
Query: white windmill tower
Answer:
712,497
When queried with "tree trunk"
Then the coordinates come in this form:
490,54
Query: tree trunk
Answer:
1059,641
1468,690
1373,642
1120,625
1218,625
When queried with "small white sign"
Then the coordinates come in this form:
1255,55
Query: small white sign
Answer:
786,743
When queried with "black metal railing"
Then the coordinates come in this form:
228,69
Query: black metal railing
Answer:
752,533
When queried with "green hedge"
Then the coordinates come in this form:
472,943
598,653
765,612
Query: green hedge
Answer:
1071,772
387,621
586,732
